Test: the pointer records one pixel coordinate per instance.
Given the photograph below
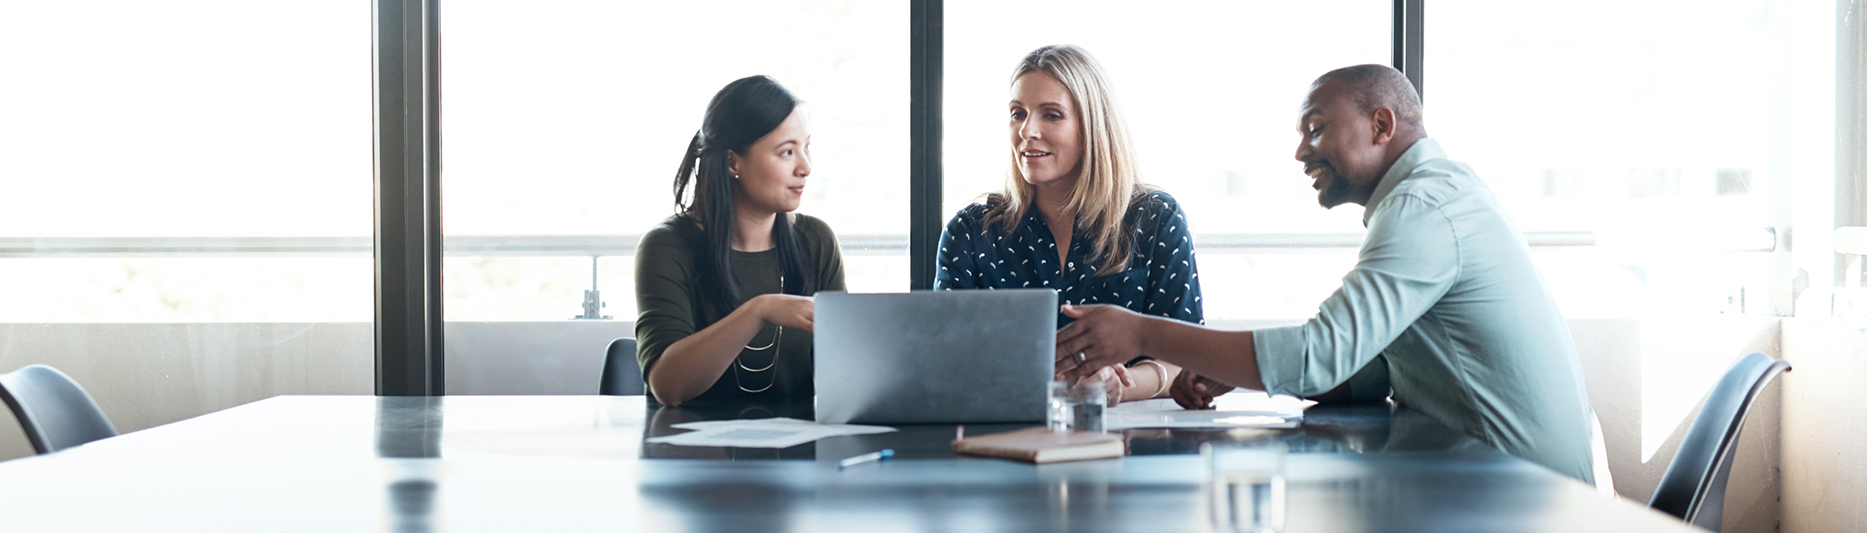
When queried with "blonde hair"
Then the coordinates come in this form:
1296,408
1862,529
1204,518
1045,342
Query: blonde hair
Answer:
1109,182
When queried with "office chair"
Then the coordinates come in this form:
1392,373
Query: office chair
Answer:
622,376
54,411
1693,486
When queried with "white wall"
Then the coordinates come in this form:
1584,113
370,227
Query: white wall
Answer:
145,375
558,357
1824,466
1646,380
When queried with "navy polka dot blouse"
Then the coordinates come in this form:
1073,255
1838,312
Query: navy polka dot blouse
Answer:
1162,278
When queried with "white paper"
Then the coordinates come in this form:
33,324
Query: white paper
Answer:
1242,409
1204,419
761,433
1250,400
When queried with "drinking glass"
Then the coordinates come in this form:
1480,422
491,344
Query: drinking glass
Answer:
1076,407
1246,482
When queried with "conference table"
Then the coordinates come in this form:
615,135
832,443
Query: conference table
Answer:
580,463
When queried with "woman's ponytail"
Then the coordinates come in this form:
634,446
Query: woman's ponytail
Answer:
741,113
685,176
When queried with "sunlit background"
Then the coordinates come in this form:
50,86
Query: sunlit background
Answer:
1659,136
186,190
185,120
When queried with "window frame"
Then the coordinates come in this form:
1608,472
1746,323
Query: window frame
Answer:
409,352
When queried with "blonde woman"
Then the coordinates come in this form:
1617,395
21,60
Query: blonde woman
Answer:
1074,215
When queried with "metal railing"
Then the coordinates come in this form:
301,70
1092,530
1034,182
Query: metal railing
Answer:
1848,299
1851,241
596,247
602,245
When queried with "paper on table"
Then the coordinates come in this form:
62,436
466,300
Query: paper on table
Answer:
761,433
1204,419
1258,401
1243,409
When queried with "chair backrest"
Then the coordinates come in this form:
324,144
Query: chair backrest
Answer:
55,412
622,375
1693,486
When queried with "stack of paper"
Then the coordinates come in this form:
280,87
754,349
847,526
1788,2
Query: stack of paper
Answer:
1243,409
761,433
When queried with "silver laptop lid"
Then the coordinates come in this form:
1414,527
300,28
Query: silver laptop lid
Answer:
971,356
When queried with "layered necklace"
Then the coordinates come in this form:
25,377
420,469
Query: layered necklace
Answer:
776,338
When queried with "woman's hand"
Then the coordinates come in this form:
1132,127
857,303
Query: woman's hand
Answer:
786,310
1116,380
1194,391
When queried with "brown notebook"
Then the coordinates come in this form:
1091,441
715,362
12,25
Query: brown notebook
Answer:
1041,445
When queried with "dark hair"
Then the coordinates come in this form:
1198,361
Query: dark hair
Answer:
740,114
1375,86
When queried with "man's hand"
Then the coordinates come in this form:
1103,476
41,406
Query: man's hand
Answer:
1194,391
1101,336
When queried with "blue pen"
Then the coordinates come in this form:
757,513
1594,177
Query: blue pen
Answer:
867,457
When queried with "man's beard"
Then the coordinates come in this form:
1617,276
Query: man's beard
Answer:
1335,194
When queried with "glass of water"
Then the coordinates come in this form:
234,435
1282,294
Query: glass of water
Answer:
1076,407
1247,486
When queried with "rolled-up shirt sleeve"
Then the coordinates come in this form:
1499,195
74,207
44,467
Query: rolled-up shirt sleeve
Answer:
1409,261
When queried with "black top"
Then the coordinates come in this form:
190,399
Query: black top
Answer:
1162,277
671,305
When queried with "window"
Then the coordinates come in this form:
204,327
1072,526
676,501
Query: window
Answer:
1668,132
208,161
147,179
1210,92
185,201
565,121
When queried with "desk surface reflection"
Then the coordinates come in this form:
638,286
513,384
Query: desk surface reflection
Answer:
572,463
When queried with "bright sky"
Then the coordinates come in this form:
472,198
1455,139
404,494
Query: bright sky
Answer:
234,118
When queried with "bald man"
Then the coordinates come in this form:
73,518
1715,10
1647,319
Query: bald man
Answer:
1444,292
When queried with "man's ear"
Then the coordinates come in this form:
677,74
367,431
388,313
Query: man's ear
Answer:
1384,125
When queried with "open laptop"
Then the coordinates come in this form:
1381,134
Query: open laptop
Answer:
952,357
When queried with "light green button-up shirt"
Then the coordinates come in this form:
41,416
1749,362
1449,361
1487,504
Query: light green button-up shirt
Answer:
1446,290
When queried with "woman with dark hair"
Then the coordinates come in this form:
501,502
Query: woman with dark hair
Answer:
723,288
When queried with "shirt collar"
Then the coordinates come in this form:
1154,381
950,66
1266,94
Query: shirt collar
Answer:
1420,153
1034,221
